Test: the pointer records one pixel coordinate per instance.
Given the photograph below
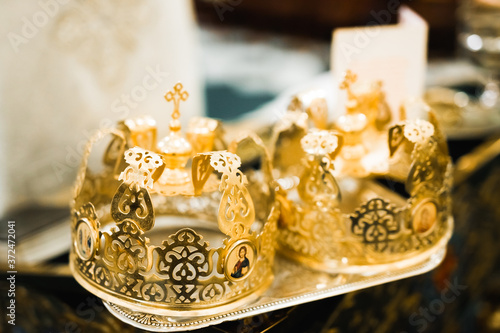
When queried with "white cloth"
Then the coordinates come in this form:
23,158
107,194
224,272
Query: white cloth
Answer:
69,67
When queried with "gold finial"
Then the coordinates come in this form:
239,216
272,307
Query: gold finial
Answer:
352,124
174,148
367,98
317,183
176,95
349,79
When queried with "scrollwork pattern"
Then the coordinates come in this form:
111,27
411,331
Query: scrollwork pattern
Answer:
133,204
377,232
180,272
318,235
418,130
428,168
376,223
317,182
142,164
236,210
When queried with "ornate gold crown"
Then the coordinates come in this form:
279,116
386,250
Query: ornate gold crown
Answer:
338,219
151,235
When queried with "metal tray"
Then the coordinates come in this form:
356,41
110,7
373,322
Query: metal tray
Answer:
294,284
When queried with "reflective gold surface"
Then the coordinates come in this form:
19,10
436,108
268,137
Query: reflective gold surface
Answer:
171,239
294,284
217,254
327,223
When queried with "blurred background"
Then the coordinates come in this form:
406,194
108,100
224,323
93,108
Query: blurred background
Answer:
70,67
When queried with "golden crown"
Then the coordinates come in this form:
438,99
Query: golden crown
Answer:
150,234
174,229
339,219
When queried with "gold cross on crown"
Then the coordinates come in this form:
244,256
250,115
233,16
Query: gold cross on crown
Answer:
176,95
349,79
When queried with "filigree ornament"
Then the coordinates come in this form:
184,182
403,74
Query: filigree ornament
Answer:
322,143
376,223
428,168
315,235
88,212
201,171
287,134
396,138
317,183
422,171
414,132
187,261
249,143
236,210
126,250
114,152
103,276
319,143
377,233
418,130
134,204
178,274
184,264
142,165
141,159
